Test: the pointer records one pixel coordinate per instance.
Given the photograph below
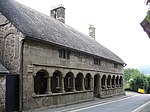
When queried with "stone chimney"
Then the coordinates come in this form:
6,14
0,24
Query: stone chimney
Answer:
58,13
92,31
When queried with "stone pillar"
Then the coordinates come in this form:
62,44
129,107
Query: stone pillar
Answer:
83,85
49,85
100,86
92,84
62,87
73,86
106,83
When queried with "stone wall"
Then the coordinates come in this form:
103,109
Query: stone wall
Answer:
9,45
38,56
2,92
47,55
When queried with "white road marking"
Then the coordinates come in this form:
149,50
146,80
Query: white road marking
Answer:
141,107
93,105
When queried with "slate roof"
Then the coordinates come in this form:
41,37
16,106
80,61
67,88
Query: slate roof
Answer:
3,70
146,26
42,27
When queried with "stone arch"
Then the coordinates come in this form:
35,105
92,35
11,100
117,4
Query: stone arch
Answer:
11,30
68,82
96,84
103,82
117,81
40,82
109,81
56,82
11,50
120,81
87,81
79,82
113,81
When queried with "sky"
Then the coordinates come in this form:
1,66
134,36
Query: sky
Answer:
117,24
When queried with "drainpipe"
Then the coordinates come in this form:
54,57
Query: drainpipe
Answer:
21,77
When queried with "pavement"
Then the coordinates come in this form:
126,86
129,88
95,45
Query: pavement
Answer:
145,108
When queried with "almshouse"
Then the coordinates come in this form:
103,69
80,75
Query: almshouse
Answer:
57,64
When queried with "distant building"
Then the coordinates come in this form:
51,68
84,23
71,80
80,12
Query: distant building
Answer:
57,64
146,22
146,26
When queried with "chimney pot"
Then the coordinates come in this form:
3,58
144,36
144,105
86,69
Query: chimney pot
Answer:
58,13
92,31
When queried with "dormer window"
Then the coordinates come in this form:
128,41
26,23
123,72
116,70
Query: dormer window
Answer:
97,61
64,54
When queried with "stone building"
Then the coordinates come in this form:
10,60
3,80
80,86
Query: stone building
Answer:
146,25
57,64
146,22
3,73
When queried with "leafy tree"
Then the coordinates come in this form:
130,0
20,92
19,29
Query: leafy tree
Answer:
148,84
136,79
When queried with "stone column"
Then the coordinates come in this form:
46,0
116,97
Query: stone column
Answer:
106,83
83,85
100,86
62,85
91,84
73,86
49,85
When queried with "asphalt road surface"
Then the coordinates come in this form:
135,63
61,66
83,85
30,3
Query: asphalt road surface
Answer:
132,102
129,104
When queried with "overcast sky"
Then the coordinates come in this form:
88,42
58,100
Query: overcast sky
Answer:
116,21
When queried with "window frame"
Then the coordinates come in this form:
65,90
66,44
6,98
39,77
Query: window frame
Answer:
97,61
64,54
115,65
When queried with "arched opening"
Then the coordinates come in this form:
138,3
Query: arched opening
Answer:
113,81
103,82
88,81
109,81
79,82
56,82
96,85
68,82
120,81
40,82
117,81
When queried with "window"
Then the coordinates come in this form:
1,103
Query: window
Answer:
78,82
115,65
96,61
64,54
57,82
103,82
69,82
40,82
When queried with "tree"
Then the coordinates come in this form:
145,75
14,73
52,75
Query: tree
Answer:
136,79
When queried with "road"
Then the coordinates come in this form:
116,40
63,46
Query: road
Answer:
129,104
132,102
